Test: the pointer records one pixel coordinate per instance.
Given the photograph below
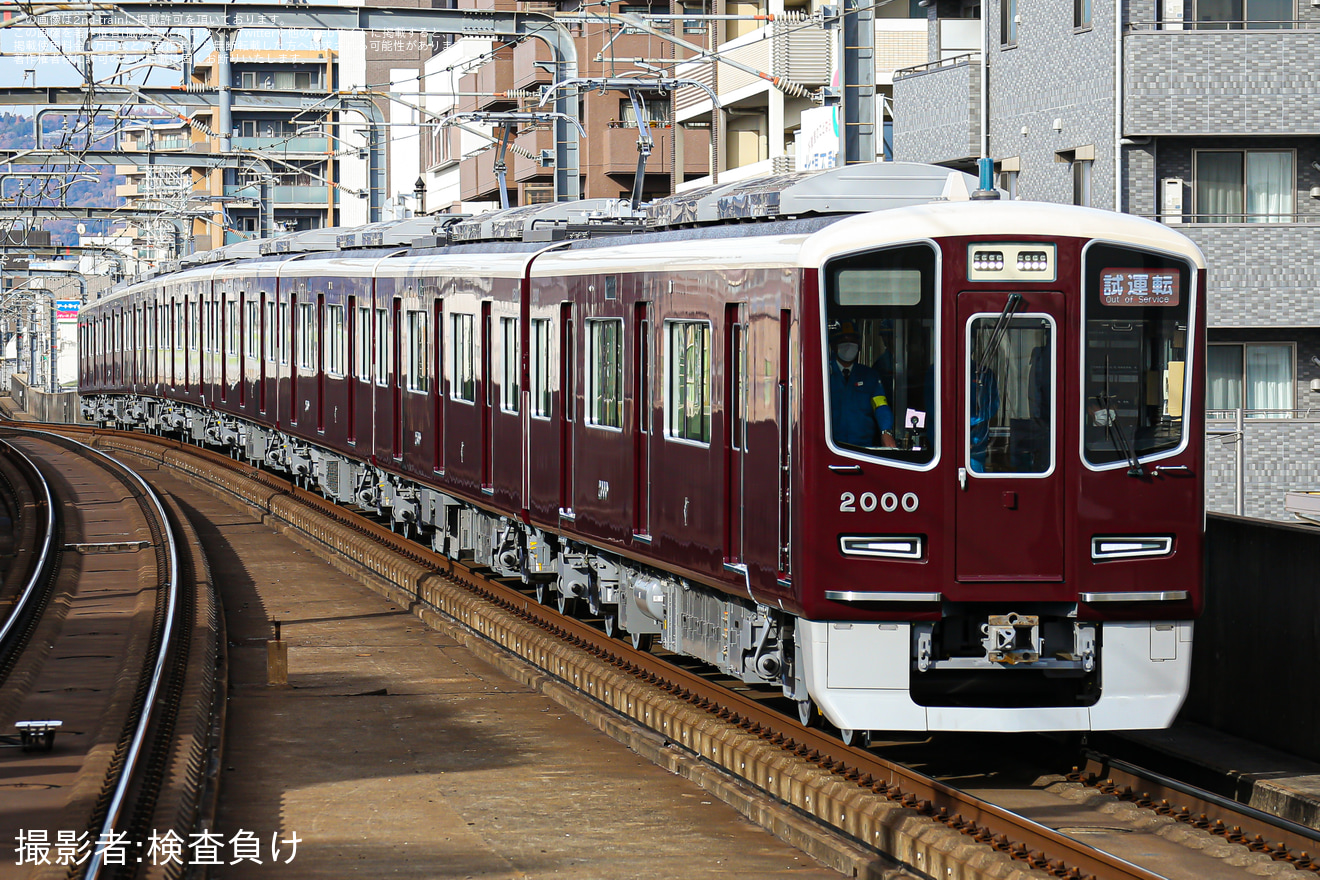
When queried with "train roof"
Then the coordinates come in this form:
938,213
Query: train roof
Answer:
858,202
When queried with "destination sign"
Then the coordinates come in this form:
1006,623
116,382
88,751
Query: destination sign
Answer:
1140,287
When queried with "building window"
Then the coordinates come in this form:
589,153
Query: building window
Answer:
1244,186
1256,377
698,26
1081,13
536,194
1008,22
509,364
687,403
465,359
605,373
1008,181
1081,174
656,109
539,364
418,352
1219,15
336,342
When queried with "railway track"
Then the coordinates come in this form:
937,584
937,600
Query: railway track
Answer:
936,828
101,641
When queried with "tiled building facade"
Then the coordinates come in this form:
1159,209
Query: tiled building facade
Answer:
1173,111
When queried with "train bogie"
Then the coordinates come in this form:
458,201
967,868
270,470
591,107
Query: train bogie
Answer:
932,467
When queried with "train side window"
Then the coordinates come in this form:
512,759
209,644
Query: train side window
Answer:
383,347
306,336
253,330
880,310
364,347
282,343
271,333
687,387
336,343
231,317
605,373
465,377
540,367
509,365
416,364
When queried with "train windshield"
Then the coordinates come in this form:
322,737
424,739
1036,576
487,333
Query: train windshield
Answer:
1137,309
879,357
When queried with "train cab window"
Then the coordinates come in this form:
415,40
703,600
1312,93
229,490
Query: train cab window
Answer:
336,342
465,359
605,373
1009,420
687,386
509,390
879,354
539,364
1137,307
417,374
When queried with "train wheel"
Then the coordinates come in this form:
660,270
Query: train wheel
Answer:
641,641
564,602
859,738
807,712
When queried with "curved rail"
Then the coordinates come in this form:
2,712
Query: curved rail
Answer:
147,712
21,606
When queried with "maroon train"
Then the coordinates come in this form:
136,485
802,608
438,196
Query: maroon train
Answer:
636,419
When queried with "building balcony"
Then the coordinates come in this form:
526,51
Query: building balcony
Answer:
494,77
620,151
534,141
1240,254
948,126
529,56
1220,82
467,85
316,145
477,178
318,196
803,56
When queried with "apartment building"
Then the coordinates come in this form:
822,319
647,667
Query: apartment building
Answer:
153,187
1195,113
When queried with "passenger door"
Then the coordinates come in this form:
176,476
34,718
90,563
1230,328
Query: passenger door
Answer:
1010,498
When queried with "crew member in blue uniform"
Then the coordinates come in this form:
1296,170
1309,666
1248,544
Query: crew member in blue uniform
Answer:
859,408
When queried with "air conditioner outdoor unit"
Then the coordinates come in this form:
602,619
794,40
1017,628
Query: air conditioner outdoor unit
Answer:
1171,200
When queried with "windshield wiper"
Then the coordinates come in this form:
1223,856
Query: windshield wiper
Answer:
1115,432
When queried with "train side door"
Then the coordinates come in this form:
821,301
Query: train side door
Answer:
735,432
1010,499
567,407
396,382
642,421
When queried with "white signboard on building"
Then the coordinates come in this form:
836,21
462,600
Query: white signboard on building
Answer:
817,141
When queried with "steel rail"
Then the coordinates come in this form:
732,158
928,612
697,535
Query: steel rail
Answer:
39,573
1287,841
147,713
1024,840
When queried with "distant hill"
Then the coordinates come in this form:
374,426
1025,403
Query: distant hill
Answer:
16,133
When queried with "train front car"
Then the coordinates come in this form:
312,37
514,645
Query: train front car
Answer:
1001,475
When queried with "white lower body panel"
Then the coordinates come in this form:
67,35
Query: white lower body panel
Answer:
859,673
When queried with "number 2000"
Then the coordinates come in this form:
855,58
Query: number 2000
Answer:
868,501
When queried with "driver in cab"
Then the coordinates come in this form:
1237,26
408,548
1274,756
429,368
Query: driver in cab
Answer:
859,408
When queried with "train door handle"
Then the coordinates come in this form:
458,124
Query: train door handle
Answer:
962,479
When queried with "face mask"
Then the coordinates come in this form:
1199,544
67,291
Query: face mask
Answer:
847,351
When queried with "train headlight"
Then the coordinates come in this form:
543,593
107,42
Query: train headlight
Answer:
1105,548
884,546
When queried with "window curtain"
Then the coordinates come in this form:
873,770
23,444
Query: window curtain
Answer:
1269,380
1269,187
1223,377
1219,187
